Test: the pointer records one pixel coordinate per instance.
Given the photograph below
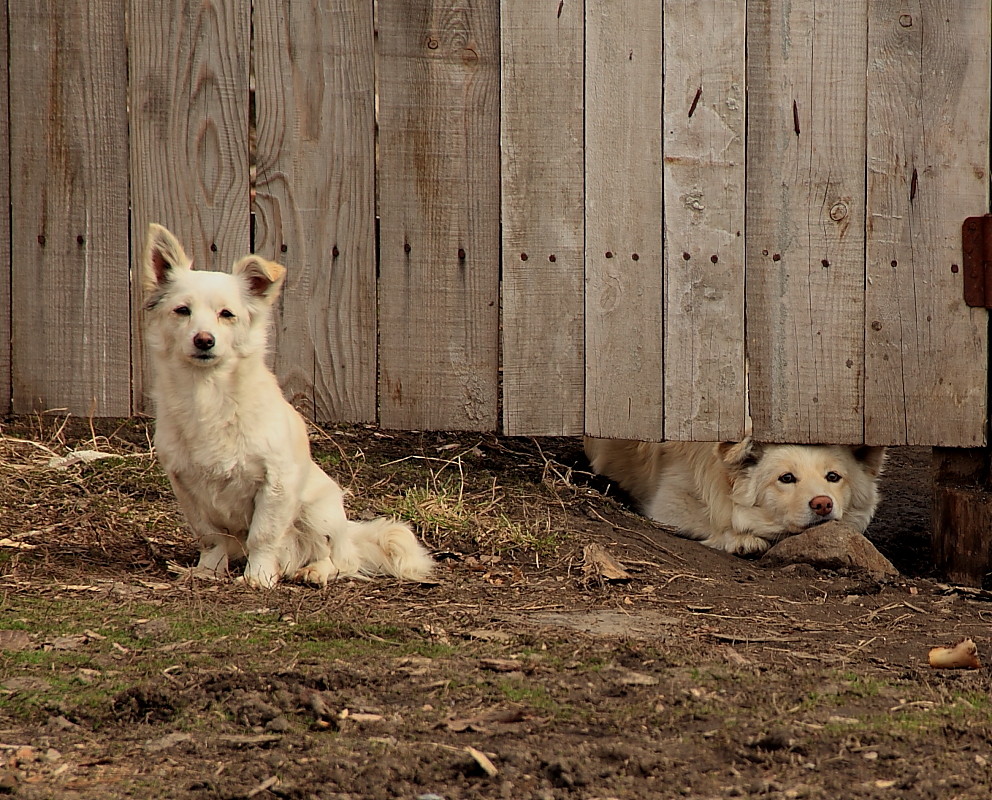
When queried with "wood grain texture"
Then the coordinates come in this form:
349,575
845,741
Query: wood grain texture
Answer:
928,166
188,97
962,515
542,201
624,277
705,395
5,263
805,219
69,205
315,197
438,69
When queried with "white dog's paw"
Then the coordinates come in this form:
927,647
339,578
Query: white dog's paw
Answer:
260,575
213,559
317,572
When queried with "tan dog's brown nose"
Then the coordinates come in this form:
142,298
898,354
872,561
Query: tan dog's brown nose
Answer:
822,505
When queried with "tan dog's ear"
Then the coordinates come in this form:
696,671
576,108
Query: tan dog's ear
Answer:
740,455
873,458
263,278
163,253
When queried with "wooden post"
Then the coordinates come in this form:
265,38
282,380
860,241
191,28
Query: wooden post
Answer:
962,515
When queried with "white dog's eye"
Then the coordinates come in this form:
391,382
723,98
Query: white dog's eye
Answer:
833,477
182,311
226,313
787,477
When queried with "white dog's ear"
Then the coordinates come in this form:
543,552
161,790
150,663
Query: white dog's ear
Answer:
873,458
263,278
740,455
163,254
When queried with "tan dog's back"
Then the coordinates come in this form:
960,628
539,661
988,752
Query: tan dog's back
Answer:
635,466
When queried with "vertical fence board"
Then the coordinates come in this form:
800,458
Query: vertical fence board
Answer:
542,200
5,263
188,98
928,166
704,220
805,219
438,71
69,284
315,197
623,100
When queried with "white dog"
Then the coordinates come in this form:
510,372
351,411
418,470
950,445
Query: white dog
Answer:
743,497
237,454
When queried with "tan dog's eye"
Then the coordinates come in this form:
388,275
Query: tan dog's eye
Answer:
787,477
833,477
226,314
182,311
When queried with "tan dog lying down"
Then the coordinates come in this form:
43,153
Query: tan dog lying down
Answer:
743,497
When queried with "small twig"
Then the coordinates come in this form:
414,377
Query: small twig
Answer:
745,639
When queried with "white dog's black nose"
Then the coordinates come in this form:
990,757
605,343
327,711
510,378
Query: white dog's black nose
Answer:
203,341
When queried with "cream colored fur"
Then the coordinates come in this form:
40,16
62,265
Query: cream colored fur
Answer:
743,497
236,453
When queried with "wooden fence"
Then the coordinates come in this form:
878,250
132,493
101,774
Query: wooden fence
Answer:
549,216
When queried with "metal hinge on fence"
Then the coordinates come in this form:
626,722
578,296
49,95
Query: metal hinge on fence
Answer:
976,249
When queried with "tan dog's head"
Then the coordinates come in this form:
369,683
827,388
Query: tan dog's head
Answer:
779,490
200,318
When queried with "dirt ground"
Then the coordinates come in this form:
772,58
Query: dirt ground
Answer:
520,673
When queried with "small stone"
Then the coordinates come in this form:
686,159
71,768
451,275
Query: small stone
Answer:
277,724
8,781
154,629
801,570
832,545
167,742
25,755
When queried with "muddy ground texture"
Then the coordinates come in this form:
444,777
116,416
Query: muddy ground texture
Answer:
522,672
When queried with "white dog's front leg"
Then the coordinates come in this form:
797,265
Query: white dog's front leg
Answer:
216,546
276,510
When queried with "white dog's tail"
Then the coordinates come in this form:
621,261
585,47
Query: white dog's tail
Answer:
385,546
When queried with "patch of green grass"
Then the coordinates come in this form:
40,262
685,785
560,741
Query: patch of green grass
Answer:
328,461
444,507
531,695
329,640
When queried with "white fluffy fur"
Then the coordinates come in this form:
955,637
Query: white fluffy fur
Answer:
740,497
236,453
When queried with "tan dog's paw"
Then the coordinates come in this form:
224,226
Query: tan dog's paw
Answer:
745,544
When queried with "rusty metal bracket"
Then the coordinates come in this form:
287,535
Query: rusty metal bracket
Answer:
976,249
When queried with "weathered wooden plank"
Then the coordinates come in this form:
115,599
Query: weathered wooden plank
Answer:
928,167
188,98
705,395
962,515
438,67
624,277
542,200
5,265
805,219
69,284
315,198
